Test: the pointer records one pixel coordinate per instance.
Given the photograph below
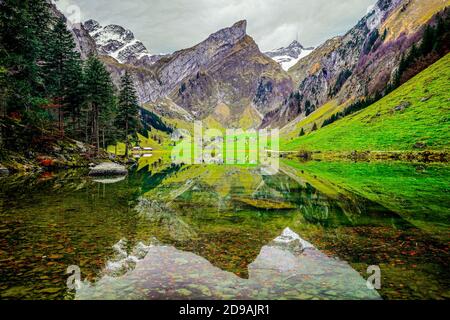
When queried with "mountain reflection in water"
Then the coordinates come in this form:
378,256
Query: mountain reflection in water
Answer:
287,267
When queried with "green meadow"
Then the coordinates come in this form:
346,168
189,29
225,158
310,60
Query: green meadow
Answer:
416,113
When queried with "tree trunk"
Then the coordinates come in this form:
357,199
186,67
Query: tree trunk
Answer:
126,138
86,129
94,128
97,132
61,121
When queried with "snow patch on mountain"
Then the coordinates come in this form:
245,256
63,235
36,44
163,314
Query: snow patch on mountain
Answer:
288,56
117,42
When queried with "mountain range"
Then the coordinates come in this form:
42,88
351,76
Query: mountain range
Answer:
357,64
227,81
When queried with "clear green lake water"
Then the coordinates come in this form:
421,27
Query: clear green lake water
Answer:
227,232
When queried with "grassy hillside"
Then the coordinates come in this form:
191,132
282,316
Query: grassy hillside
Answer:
417,112
293,129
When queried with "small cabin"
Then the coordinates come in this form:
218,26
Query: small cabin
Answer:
137,149
147,149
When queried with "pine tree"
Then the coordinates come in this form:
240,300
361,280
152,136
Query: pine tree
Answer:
442,29
428,40
399,72
383,37
62,71
3,90
128,118
413,53
99,101
314,128
24,26
75,97
302,133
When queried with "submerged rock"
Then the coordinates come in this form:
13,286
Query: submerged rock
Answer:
3,170
108,169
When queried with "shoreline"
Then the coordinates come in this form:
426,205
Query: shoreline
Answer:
425,156
18,163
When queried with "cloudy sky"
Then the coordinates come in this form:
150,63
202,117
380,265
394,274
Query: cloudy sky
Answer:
168,25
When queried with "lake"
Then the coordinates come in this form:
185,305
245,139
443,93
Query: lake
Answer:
315,230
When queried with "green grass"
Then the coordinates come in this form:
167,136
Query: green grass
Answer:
418,194
165,145
381,128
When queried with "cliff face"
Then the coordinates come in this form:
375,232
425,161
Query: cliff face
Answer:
359,63
85,44
242,78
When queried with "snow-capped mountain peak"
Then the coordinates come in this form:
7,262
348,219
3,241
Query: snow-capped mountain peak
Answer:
290,55
117,42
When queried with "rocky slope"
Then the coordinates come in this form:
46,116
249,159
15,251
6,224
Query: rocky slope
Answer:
237,79
357,64
290,55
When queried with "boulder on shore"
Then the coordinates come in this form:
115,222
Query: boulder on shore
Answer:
108,169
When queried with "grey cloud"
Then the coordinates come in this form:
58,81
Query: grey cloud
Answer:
169,25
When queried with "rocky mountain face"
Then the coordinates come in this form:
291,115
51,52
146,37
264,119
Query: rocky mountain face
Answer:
357,64
235,79
85,45
224,78
118,42
290,55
